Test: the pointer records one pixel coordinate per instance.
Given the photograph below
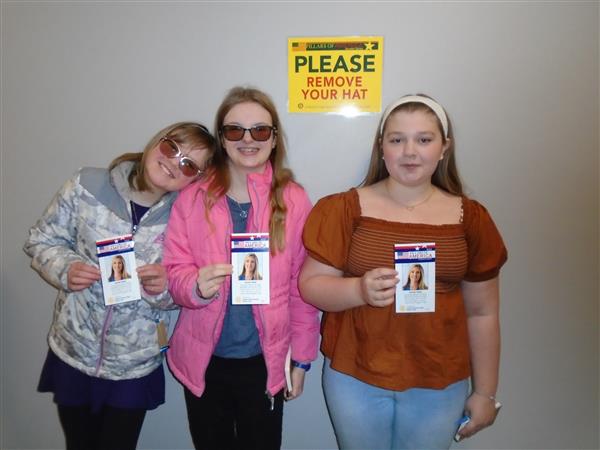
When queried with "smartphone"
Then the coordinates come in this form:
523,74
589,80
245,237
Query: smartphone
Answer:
466,419
461,424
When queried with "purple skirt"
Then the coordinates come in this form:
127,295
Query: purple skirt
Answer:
72,387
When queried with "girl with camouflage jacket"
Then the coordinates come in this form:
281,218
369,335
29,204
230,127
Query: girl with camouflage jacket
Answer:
104,364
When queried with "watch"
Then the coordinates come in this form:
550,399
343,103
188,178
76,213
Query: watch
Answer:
305,366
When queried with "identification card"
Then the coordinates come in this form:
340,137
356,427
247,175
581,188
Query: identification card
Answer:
250,260
120,281
415,264
161,335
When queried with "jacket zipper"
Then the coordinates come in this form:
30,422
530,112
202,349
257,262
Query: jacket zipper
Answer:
134,229
103,338
256,211
255,216
226,299
107,319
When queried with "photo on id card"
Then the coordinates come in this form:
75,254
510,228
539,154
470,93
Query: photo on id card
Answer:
250,260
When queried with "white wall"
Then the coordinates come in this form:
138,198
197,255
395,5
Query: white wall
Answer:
84,82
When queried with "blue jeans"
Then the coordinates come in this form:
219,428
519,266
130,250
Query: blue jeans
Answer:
367,417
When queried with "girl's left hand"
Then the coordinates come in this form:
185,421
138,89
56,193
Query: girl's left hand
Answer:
482,412
153,278
297,376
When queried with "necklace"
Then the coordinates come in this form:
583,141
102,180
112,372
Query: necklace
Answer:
243,213
411,207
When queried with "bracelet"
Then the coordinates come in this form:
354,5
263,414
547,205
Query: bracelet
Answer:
305,366
493,398
489,397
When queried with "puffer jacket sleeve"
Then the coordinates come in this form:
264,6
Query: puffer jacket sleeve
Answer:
52,240
162,301
178,258
304,318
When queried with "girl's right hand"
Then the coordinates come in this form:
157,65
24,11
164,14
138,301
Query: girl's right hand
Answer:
210,279
378,287
81,276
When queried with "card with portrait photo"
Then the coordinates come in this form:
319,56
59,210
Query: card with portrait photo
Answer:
415,264
250,260
118,269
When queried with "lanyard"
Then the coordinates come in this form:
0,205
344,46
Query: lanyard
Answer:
137,213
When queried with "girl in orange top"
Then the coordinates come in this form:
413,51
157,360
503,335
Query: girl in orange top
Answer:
398,380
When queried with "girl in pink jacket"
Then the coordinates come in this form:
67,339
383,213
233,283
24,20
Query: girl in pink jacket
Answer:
231,357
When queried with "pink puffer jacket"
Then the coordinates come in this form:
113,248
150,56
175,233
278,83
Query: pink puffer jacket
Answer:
193,242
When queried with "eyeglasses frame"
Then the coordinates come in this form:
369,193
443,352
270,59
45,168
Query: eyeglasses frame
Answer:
273,129
183,158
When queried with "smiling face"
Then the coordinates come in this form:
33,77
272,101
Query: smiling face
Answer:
248,155
415,275
250,265
117,266
163,174
412,146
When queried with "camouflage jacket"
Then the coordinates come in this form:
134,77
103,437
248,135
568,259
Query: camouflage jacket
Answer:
114,342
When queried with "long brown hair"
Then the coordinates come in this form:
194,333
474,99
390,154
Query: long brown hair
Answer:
190,133
446,175
220,177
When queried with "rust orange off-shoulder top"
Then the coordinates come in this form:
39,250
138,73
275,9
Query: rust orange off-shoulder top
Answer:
377,345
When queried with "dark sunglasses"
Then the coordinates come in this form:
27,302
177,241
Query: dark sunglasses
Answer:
259,133
170,149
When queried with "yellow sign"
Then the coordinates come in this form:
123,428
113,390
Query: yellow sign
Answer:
335,74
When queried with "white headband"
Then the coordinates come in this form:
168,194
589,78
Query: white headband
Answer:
435,107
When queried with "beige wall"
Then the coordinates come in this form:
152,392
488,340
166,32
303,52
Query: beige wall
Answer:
84,82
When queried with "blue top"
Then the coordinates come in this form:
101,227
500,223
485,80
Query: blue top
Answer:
137,212
239,338
72,387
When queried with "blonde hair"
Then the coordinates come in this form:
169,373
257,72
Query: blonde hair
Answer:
190,133
220,177
446,175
